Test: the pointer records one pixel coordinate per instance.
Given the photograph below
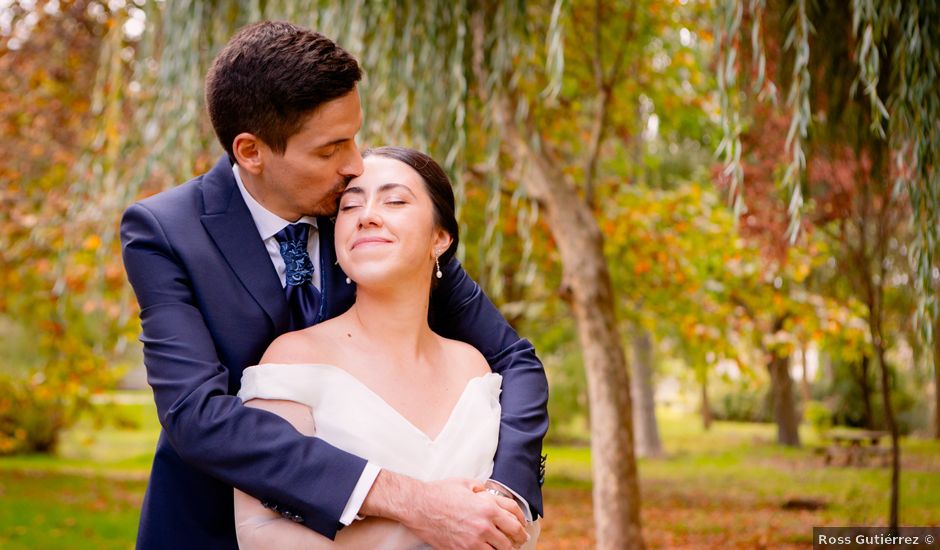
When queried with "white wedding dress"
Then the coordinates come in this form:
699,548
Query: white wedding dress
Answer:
352,417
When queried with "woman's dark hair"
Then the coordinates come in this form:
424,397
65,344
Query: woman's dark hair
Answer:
436,182
269,77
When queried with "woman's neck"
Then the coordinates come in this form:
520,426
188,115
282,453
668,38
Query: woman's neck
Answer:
394,321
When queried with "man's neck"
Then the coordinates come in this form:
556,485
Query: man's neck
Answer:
256,190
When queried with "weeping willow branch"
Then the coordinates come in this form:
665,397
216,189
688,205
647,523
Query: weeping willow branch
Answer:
898,58
798,102
907,34
417,90
729,149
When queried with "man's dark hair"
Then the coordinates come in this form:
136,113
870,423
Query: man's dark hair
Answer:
437,184
269,77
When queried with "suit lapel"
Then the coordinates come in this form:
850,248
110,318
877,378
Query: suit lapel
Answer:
229,223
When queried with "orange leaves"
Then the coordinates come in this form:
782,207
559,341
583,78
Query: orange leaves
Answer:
641,267
91,243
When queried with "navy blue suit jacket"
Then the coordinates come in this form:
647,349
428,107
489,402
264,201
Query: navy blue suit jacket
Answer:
210,303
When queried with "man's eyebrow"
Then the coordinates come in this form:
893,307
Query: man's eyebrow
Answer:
336,141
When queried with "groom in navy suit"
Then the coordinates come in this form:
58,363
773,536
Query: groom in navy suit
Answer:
208,264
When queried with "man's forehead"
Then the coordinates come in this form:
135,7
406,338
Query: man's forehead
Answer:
328,126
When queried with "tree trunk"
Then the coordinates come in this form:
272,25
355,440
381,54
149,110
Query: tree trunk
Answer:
874,325
864,386
587,287
705,407
936,378
781,387
648,443
805,389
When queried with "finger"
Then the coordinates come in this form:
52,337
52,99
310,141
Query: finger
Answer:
512,507
497,539
474,485
510,526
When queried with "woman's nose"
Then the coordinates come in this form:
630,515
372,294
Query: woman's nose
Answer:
369,214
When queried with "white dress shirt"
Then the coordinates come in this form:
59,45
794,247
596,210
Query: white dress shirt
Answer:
269,224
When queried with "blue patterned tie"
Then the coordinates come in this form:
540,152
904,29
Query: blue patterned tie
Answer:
303,298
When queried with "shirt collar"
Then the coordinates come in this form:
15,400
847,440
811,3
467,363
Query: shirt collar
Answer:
267,222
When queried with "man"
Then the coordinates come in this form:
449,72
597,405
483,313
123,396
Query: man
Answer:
214,290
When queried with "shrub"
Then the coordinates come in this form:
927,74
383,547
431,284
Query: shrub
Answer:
818,415
32,414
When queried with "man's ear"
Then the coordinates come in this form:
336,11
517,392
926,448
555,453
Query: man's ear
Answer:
247,150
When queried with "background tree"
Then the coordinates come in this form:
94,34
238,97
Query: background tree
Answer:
893,47
60,308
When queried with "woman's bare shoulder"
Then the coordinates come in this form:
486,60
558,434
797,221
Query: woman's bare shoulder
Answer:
465,356
314,344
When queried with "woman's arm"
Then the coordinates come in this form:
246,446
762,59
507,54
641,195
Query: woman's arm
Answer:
260,528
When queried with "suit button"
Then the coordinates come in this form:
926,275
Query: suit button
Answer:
269,505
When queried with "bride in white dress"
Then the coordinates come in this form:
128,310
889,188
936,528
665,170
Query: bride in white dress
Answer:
376,381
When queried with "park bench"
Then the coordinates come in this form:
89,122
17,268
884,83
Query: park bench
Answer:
857,448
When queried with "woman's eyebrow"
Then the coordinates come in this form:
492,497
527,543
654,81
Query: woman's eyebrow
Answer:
389,186
354,189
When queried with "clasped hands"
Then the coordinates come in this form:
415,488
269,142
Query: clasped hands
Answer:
449,514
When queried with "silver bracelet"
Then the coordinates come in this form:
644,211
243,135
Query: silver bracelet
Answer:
497,492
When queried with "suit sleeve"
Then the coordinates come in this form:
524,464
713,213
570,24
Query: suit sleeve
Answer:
461,310
253,450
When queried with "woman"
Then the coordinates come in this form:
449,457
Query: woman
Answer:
376,381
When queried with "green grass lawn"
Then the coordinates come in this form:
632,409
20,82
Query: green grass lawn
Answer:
708,485
89,495
734,478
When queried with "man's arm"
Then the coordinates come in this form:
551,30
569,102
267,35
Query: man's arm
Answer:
253,450
460,310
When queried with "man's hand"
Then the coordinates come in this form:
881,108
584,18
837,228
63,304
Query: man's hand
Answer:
448,514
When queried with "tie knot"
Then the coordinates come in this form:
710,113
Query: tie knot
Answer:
295,232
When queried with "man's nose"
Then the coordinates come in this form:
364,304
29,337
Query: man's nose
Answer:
353,166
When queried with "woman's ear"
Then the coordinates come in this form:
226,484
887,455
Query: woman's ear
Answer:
441,243
247,150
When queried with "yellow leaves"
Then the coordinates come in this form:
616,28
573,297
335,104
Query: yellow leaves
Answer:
801,272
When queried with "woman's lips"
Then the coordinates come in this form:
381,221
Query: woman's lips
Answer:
369,241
